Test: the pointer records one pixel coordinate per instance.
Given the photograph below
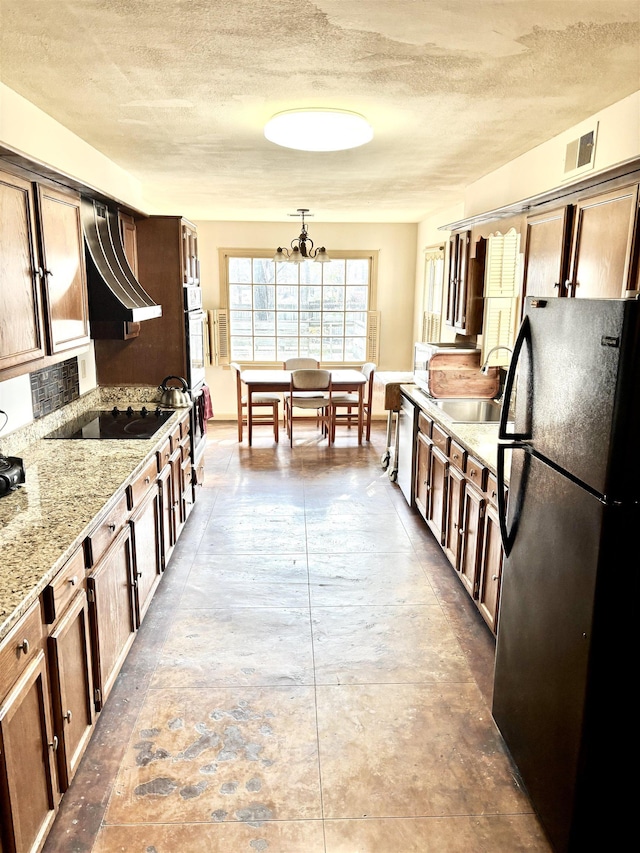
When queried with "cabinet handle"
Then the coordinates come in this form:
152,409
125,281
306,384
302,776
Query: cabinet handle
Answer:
111,526
39,272
23,646
494,577
147,480
472,473
68,716
138,574
461,531
54,744
73,581
47,272
455,455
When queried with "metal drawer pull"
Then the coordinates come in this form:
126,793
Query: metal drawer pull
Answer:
24,646
111,526
73,581
68,716
147,480
54,744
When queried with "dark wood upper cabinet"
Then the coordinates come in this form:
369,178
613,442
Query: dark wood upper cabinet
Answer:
603,245
62,252
546,261
21,322
465,283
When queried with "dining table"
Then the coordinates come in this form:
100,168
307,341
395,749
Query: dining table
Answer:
266,380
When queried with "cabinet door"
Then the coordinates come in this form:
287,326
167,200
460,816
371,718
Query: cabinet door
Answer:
127,227
546,259
145,537
455,505
437,505
111,614
190,262
602,245
66,303
71,687
472,528
491,569
21,329
423,456
167,533
176,496
28,786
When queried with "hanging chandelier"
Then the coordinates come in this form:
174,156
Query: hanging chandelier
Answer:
301,247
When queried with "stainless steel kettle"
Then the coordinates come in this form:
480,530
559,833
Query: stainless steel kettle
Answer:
174,398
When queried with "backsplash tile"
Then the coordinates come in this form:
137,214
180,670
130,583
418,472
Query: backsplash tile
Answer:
53,387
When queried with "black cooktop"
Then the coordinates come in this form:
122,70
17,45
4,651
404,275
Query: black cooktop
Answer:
115,424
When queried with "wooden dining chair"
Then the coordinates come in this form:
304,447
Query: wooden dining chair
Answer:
349,402
298,363
310,389
260,406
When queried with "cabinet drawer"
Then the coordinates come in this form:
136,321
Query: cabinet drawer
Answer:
105,533
441,439
476,472
20,647
457,455
185,444
143,482
185,426
63,587
492,488
164,454
176,436
424,424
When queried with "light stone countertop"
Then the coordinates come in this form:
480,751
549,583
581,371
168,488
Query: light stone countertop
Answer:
479,439
69,485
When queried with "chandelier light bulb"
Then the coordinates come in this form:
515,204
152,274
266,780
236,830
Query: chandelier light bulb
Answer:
318,130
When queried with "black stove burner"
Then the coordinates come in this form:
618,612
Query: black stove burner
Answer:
115,424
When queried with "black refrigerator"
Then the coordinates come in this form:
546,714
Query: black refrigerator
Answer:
565,669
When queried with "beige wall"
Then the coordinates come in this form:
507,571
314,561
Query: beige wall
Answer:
396,245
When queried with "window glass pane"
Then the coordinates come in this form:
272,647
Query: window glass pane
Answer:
263,271
310,272
333,272
355,349
239,270
357,298
310,323
240,322
287,273
287,323
332,349
355,323
264,322
241,349
264,296
239,296
265,349
358,271
287,348
332,324
310,347
287,296
333,298
310,298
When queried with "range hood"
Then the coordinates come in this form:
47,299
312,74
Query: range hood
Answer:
114,292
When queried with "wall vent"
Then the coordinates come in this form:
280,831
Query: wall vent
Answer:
580,154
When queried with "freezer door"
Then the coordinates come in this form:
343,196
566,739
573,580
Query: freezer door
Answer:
576,388
545,634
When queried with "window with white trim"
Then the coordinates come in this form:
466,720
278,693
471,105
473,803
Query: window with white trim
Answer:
278,311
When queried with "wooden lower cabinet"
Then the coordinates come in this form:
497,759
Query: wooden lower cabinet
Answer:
472,529
454,522
147,560
71,686
28,782
111,612
437,504
491,569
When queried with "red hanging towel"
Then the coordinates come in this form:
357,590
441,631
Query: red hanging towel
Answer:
208,408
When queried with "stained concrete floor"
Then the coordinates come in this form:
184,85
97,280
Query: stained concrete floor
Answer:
311,677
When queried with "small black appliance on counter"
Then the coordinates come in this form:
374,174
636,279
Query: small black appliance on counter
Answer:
11,474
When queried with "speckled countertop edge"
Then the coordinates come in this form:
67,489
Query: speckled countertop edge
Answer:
69,486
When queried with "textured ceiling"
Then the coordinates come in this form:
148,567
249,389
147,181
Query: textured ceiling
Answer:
177,91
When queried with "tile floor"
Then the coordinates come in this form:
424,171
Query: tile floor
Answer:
311,677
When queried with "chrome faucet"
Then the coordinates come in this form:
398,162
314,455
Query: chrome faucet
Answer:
485,367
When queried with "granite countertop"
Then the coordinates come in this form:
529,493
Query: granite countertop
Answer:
479,439
69,485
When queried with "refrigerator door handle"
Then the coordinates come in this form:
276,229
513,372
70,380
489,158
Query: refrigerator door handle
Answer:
524,336
508,536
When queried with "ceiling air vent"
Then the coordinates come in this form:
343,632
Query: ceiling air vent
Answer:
580,154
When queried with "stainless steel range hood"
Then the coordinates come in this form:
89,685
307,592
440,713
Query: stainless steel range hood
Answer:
114,292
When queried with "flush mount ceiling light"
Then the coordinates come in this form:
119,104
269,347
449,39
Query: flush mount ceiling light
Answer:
318,130
301,247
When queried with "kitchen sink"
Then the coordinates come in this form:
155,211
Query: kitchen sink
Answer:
470,411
